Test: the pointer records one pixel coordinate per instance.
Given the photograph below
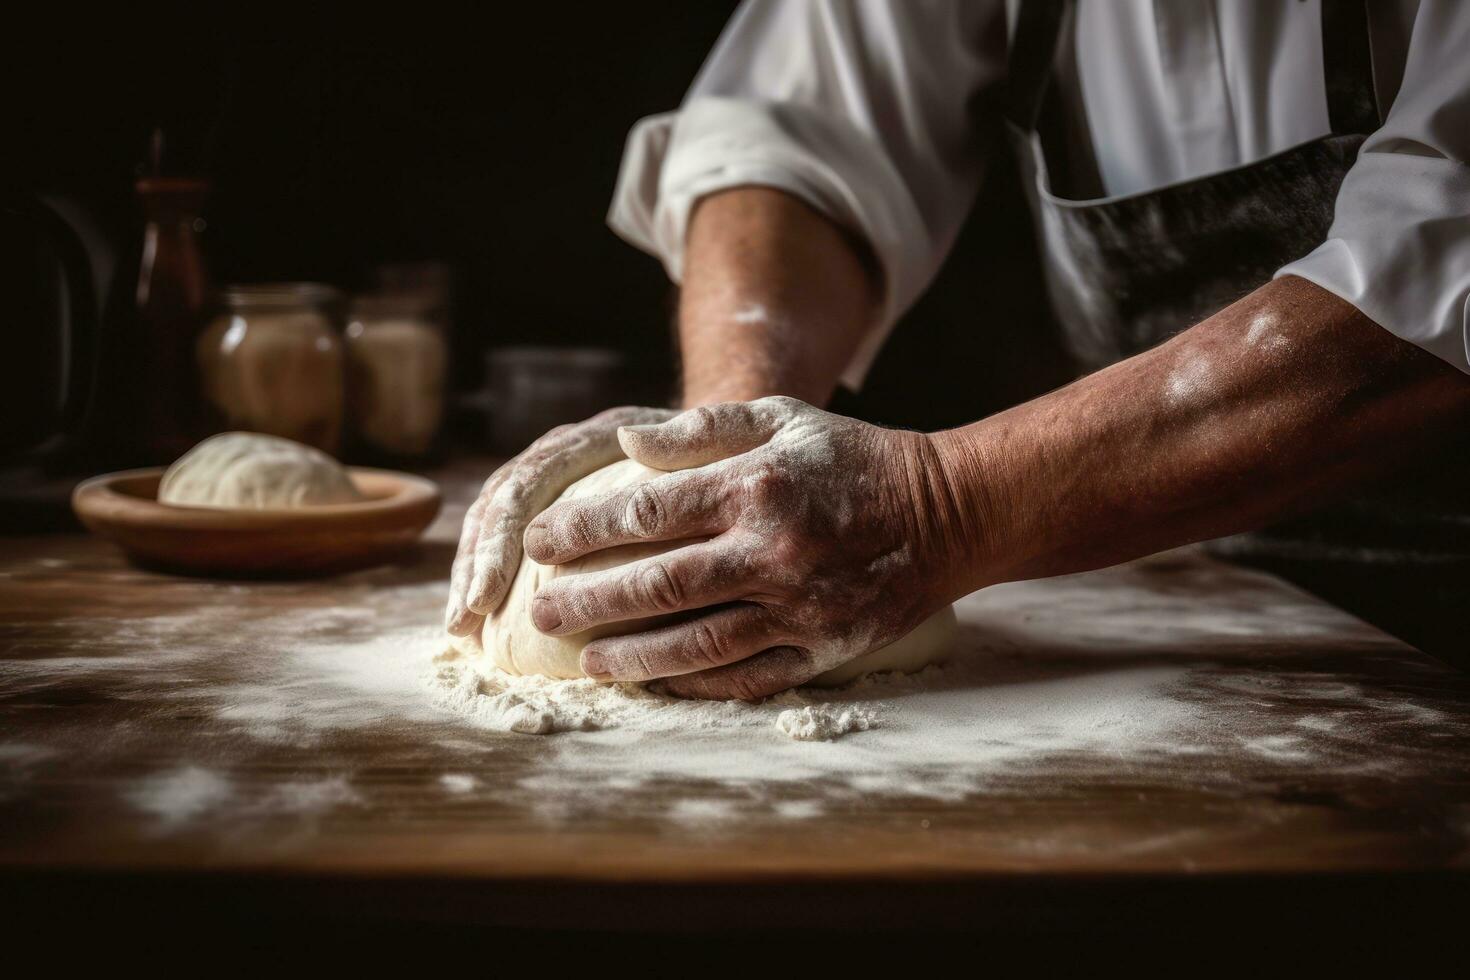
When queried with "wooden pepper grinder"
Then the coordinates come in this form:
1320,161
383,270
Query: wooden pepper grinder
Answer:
172,307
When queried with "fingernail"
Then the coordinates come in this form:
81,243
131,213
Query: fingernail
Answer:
629,436
537,543
594,664
462,624
545,615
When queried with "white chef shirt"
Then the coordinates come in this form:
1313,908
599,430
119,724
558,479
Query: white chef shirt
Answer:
865,110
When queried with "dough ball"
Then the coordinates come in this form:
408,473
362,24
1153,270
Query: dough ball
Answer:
248,470
516,646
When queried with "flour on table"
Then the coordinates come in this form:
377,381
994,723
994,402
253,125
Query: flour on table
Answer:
180,795
823,723
458,783
1154,675
490,698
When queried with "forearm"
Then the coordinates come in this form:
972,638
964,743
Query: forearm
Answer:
1265,409
774,301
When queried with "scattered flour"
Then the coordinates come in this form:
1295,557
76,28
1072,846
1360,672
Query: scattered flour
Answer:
1191,376
754,313
823,723
702,811
1119,676
490,698
798,809
309,796
178,796
458,783
1264,334
1262,325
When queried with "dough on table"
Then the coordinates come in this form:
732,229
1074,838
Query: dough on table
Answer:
516,646
253,471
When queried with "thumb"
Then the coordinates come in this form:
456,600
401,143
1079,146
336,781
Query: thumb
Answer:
706,434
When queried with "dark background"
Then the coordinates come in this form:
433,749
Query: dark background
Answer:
489,142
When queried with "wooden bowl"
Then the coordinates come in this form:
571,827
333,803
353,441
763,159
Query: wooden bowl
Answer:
238,543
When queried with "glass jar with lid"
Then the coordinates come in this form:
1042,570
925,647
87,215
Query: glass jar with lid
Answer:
273,362
397,363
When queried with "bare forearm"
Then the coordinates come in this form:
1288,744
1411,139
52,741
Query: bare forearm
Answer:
1262,410
774,301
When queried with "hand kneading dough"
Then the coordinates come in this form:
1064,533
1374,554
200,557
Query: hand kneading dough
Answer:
253,471
516,646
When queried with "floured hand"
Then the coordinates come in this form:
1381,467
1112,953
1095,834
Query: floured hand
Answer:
490,541
814,539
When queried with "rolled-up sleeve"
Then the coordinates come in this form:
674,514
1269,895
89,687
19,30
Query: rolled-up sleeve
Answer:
1399,246
866,110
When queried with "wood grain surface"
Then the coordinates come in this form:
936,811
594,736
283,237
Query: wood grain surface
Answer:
138,744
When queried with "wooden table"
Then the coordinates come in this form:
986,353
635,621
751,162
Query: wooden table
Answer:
159,754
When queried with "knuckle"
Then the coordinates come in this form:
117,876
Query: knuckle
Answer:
643,664
538,448
702,422
706,647
747,564
781,404
495,479
764,483
644,512
509,499
659,588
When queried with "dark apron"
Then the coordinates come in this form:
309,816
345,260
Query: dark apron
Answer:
1125,273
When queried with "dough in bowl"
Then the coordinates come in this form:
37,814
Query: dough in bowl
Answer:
252,471
516,646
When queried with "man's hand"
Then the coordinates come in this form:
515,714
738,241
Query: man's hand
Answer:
760,264
490,542
813,539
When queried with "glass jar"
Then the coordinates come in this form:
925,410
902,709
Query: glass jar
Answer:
272,362
397,361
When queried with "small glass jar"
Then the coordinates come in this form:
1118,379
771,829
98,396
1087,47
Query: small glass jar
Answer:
397,365
273,362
